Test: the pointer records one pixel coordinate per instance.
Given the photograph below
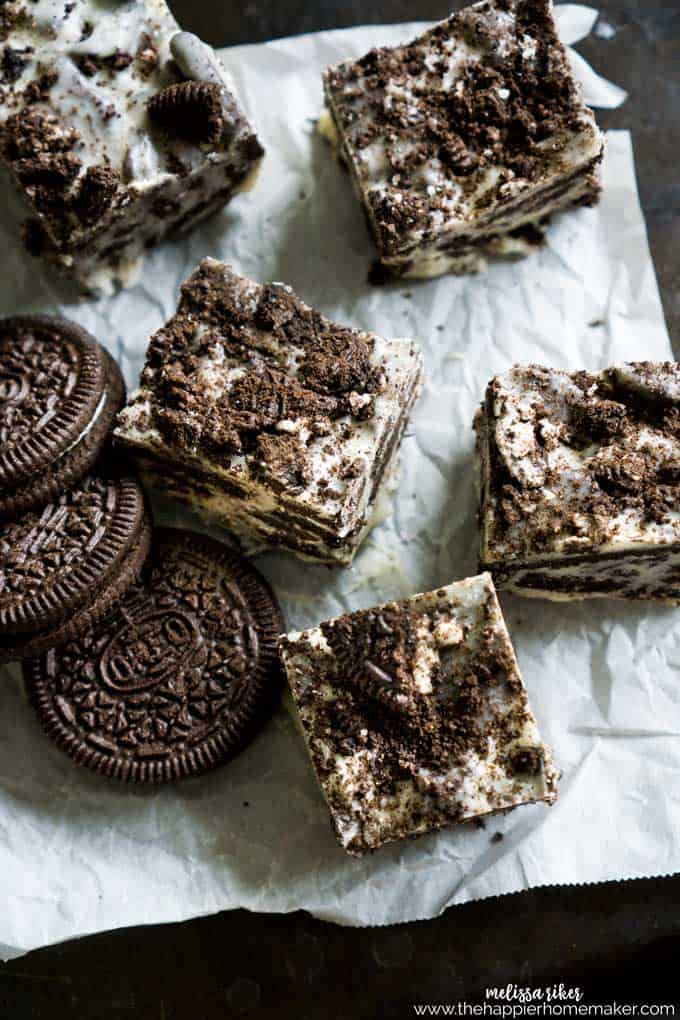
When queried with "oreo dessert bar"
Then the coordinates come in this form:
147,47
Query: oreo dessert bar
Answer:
117,128
462,142
262,414
416,717
580,482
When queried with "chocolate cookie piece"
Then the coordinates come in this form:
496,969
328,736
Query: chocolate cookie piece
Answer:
59,393
189,109
63,567
177,679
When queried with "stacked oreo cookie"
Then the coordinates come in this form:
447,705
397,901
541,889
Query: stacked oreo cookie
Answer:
147,655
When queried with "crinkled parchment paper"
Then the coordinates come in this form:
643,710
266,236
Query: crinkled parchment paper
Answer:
79,854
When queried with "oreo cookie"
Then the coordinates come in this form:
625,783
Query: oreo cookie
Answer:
62,567
59,393
178,678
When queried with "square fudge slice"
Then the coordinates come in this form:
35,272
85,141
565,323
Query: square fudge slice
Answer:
415,715
117,128
262,414
463,141
580,482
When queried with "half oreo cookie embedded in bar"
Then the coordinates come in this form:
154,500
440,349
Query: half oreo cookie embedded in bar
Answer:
416,717
580,482
117,129
265,416
461,142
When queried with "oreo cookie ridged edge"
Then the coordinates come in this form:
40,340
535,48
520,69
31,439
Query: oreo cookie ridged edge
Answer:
178,678
64,566
60,391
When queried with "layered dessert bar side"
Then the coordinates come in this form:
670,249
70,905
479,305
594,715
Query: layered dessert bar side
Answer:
416,717
461,143
266,417
117,128
580,482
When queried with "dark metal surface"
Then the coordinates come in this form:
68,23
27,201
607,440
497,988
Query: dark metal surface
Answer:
616,941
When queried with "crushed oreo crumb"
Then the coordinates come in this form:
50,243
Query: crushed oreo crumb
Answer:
335,376
95,194
12,64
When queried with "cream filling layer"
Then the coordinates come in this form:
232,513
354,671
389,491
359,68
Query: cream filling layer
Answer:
243,514
655,577
430,262
256,535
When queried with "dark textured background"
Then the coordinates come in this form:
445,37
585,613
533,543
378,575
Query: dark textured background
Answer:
617,941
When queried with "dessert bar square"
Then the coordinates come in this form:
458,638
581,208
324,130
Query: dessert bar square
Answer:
463,141
580,481
415,715
117,128
262,414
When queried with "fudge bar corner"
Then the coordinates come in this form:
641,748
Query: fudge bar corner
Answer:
116,129
580,482
415,716
269,419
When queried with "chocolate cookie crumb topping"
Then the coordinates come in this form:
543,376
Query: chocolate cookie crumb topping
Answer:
90,63
96,192
529,760
12,64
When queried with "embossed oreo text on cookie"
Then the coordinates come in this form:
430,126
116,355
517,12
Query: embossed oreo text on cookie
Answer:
177,678
174,666
172,642
13,389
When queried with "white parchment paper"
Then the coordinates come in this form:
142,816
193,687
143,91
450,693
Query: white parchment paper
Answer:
79,854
